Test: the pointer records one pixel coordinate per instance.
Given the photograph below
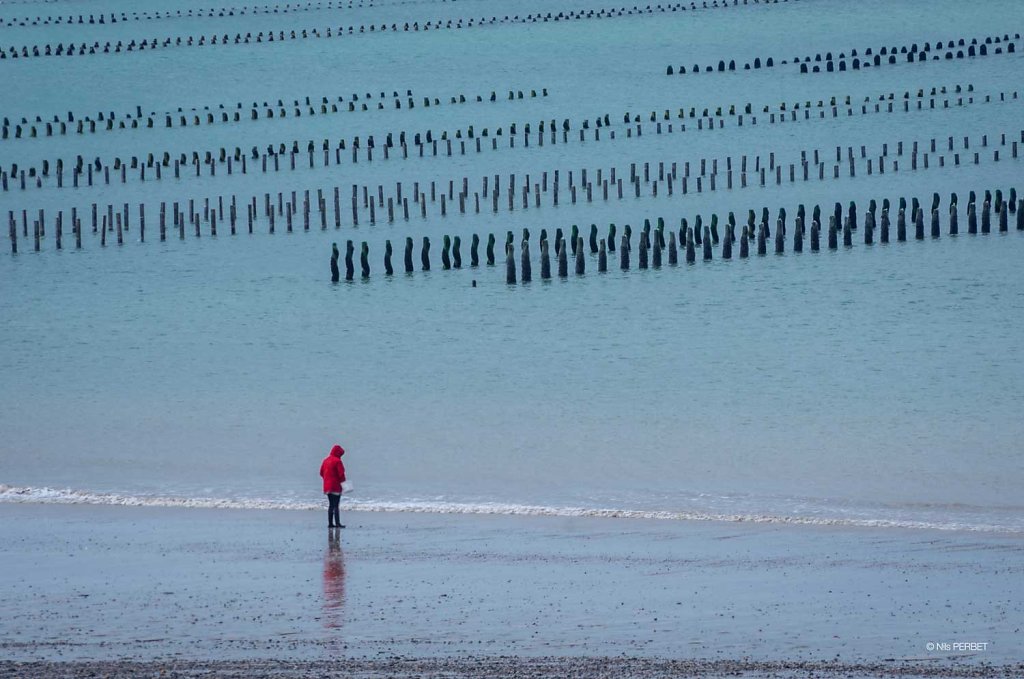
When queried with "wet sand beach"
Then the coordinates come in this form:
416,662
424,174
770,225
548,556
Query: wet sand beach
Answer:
113,591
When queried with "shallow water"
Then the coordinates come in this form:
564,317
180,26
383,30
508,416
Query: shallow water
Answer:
875,384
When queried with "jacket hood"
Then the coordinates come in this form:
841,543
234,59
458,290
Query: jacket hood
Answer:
337,451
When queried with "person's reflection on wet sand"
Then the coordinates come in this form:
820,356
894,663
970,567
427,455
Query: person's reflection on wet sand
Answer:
334,581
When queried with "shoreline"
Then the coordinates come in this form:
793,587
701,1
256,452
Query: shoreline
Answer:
27,495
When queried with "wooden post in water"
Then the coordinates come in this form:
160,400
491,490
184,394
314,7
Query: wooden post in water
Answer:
510,264
335,271
526,268
425,254
388,270
580,261
408,255
349,268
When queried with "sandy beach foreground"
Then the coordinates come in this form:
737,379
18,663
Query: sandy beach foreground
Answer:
474,668
110,591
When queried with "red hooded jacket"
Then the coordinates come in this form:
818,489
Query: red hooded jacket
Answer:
333,471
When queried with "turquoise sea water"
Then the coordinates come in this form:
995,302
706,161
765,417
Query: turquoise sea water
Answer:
875,384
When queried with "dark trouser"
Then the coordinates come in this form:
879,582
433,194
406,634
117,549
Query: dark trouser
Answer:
333,517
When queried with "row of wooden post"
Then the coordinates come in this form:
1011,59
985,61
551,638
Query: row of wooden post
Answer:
125,17
654,248
911,53
208,116
130,121
922,57
86,124
143,45
107,221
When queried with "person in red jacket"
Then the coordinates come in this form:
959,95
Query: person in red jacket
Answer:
333,473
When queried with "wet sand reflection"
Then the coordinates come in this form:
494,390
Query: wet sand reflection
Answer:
334,581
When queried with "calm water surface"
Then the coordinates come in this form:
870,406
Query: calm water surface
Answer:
876,383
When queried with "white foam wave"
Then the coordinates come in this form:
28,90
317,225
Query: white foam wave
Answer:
68,496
